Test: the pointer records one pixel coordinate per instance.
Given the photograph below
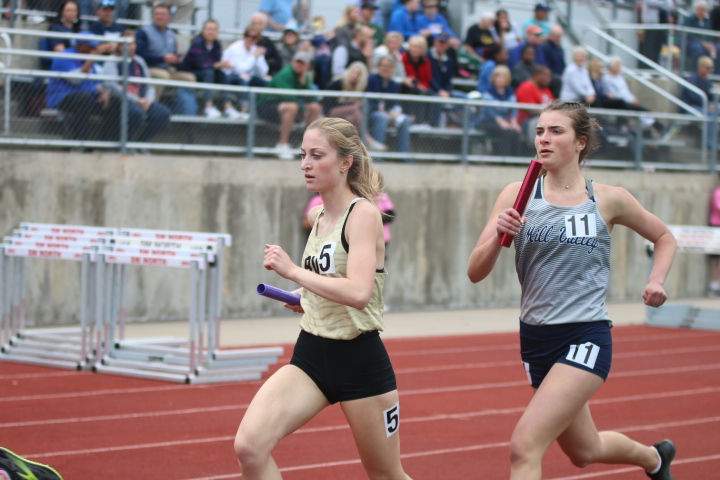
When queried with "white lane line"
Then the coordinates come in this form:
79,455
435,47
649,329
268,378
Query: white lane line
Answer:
118,391
408,420
516,345
127,416
402,393
518,362
447,451
20,376
681,461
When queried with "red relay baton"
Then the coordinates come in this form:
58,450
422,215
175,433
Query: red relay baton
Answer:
523,196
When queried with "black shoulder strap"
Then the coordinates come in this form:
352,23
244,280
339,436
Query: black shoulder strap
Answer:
344,241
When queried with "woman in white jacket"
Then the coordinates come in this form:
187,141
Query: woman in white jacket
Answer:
576,82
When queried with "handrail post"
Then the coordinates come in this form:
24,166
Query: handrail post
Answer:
638,144
251,124
124,100
683,51
13,15
714,153
364,122
466,134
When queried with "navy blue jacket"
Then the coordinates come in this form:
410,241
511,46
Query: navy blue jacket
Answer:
554,56
199,57
442,73
692,98
375,84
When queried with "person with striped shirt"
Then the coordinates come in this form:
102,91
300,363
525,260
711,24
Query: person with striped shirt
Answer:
562,258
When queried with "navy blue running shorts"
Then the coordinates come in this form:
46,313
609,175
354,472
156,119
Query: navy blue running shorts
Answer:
587,346
345,370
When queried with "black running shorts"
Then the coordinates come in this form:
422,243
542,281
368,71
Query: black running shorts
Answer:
587,346
345,370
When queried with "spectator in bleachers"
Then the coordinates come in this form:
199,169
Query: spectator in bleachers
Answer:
106,24
323,53
66,21
433,23
286,110
354,79
496,56
444,69
419,72
523,69
290,43
359,49
247,67
699,45
184,10
615,84
344,29
157,44
377,18
79,99
279,13
405,19
603,97
272,57
500,122
555,57
204,60
715,18
143,109
392,47
576,82
700,78
533,35
301,14
651,41
535,90
539,19
506,32
479,38
384,113
367,16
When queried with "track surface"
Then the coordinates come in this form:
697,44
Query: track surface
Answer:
460,396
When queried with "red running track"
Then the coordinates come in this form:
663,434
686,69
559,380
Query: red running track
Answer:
460,396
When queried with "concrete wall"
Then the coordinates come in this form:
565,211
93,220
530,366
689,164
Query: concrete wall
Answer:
441,210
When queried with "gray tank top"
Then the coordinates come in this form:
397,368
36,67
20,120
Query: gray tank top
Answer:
562,258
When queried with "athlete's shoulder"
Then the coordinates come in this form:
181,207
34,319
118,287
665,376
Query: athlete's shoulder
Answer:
611,194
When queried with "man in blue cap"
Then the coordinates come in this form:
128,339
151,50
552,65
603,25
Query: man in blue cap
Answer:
539,18
105,24
79,99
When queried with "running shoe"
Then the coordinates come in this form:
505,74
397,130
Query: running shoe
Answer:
666,449
14,467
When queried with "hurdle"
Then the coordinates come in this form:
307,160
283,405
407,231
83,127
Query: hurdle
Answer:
690,239
196,359
61,347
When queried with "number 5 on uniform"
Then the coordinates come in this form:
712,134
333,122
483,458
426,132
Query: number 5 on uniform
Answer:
391,417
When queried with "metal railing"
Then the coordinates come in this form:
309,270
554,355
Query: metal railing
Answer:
668,74
464,144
